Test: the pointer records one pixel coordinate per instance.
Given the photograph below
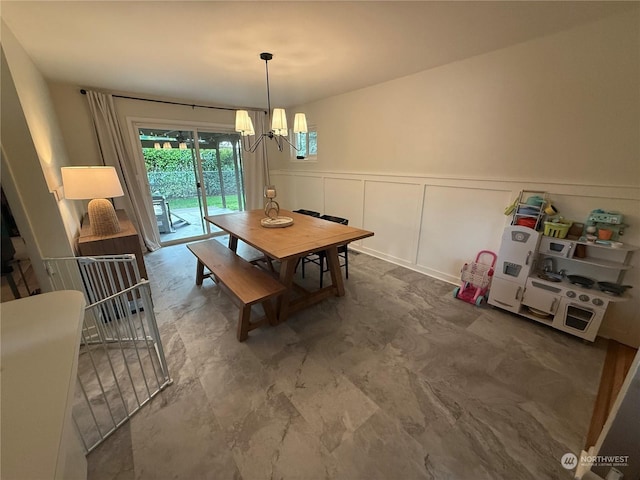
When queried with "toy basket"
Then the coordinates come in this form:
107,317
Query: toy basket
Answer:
477,274
557,228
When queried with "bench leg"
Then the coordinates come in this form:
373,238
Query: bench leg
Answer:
270,312
243,323
199,273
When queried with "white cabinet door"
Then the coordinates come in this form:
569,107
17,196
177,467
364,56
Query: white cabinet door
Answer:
541,297
505,294
516,254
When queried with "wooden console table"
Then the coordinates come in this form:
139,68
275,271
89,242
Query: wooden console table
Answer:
126,241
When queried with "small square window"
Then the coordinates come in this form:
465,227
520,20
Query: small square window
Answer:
306,145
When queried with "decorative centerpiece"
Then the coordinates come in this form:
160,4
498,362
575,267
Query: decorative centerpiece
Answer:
272,211
271,208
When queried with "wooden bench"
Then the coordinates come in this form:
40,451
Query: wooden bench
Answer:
245,283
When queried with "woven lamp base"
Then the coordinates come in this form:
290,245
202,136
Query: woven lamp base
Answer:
103,218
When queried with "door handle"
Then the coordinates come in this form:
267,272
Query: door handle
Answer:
553,305
502,303
526,262
518,293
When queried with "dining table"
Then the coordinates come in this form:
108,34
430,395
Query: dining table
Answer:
287,245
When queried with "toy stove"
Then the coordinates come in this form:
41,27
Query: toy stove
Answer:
602,219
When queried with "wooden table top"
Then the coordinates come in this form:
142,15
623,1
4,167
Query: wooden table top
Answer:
306,235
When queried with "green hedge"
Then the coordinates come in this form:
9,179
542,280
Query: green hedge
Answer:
182,184
181,160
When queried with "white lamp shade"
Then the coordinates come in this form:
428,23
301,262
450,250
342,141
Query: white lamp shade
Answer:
300,123
156,145
167,146
83,183
279,121
244,125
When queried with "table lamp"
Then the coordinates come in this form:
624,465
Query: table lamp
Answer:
97,184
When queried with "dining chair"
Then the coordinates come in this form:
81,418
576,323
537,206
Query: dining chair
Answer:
311,213
320,258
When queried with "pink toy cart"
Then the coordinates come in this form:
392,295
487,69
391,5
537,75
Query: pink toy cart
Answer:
476,278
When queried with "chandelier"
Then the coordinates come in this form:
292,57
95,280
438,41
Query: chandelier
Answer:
277,118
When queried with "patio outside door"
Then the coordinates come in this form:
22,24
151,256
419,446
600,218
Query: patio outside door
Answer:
191,173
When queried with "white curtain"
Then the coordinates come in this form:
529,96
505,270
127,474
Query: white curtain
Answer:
114,153
256,166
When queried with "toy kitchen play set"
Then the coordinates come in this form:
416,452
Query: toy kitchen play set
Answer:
558,273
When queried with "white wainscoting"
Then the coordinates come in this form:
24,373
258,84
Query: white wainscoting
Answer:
434,225
344,198
456,224
392,211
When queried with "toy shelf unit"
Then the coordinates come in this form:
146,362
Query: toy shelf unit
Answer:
528,209
543,278
598,261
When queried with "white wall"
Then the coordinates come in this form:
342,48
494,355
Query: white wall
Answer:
73,110
562,108
32,152
430,161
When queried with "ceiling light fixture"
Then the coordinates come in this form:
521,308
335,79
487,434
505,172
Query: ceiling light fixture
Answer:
277,120
182,145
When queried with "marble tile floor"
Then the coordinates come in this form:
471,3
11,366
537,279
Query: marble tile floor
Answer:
395,380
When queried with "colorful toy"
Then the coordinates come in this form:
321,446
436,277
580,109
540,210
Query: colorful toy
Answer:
476,278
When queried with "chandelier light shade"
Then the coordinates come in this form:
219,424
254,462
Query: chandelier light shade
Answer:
166,146
300,123
278,121
156,145
182,146
244,125
97,184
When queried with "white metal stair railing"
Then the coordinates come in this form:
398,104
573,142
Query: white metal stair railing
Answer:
122,365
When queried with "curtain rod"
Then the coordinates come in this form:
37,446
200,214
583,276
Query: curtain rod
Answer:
192,105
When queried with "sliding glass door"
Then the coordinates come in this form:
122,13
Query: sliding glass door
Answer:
191,173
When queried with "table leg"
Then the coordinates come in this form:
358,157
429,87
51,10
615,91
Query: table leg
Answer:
334,269
233,243
287,269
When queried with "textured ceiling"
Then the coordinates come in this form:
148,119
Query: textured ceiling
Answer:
208,51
